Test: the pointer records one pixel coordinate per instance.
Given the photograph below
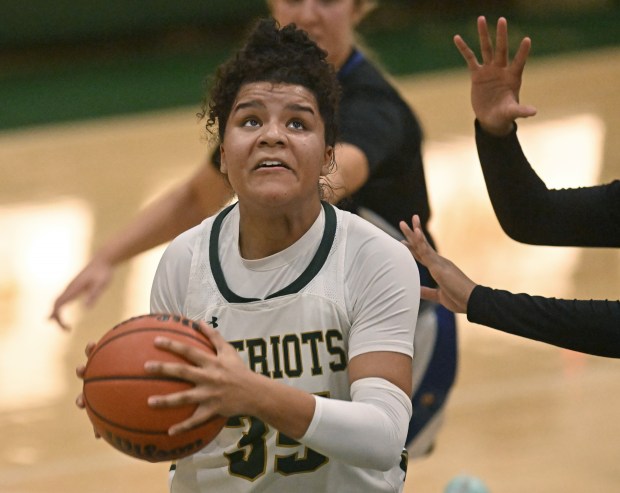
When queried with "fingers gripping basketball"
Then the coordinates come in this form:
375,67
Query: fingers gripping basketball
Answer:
116,389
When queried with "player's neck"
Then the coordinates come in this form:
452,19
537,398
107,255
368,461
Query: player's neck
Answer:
265,234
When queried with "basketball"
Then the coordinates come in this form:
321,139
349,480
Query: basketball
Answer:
116,388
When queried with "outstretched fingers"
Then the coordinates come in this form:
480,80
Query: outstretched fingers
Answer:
501,43
521,56
466,52
498,55
417,243
486,46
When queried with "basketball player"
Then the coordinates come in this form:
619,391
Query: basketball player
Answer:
528,212
311,309
379,176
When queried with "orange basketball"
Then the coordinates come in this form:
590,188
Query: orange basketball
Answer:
116,389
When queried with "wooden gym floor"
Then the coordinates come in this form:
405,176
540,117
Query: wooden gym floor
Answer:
525,417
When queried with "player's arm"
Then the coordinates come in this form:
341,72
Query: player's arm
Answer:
181,208
168,216
185,206
383,300
588,326
368,431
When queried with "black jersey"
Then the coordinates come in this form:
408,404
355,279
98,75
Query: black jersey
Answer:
376,119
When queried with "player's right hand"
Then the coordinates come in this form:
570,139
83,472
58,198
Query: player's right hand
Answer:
90,282
496,80
79,371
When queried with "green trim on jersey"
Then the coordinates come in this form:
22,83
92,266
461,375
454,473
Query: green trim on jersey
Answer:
329,233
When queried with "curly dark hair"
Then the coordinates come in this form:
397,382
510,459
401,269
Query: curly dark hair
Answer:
279,55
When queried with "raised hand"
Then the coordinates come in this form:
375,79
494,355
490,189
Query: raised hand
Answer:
495,84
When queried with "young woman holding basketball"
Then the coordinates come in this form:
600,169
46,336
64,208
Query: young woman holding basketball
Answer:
379,176
315,308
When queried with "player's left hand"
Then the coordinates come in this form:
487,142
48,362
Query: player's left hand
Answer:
454,287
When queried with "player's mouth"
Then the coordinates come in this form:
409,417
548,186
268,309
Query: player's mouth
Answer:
272,164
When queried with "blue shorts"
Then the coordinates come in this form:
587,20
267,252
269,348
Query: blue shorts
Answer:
434,373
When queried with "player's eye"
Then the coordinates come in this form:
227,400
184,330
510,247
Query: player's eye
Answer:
251,122
296,124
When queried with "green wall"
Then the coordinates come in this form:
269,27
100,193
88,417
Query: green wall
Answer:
51,21
62,67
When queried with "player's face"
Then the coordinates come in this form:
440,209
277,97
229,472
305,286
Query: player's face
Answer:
273,149
330,23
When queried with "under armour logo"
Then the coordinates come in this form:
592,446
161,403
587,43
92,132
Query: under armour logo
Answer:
213,322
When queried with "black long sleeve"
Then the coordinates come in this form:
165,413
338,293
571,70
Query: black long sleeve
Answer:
591,327
531,213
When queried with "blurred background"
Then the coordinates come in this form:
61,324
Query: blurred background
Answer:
97,117
67,60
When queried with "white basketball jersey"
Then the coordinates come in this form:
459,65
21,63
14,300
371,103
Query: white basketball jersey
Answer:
301,334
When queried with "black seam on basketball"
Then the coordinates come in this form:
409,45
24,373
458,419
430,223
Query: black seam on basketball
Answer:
121,427
136,430
202,341
135,377
137,317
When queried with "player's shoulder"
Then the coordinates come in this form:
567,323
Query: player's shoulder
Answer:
366,74
357,226
366,78
364,238
375,261
187,237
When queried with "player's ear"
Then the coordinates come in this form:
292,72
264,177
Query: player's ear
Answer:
223,166
329,161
